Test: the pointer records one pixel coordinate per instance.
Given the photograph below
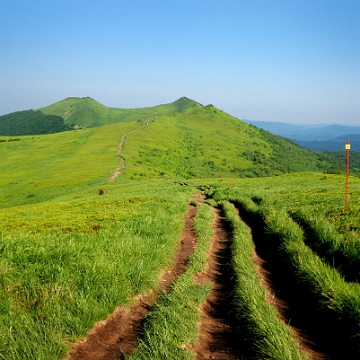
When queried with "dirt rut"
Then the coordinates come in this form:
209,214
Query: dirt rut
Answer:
219,333
291,310
117,336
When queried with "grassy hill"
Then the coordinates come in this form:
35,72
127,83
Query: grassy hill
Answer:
87,112
192,141
69,256
206,142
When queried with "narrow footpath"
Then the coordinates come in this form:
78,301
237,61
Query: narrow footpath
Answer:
117,336
118,170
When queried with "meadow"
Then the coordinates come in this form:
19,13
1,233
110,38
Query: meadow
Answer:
74,246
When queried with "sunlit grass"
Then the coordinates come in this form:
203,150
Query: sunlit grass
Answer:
314,193
40,168
56,283
172,327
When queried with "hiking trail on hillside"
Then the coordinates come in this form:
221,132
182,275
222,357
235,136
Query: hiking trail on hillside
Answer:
117,336
118,170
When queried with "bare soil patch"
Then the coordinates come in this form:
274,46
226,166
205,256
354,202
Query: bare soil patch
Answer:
117,336
219,332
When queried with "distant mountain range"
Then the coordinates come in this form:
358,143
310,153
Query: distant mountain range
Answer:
318,137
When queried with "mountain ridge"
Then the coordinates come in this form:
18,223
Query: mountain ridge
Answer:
87,112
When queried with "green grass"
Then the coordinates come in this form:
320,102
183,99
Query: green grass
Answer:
337,250
39,168
336,302
204,142
172,326
89,113
54,286
334,305
321,195
57,273
63,247
265,336
190,140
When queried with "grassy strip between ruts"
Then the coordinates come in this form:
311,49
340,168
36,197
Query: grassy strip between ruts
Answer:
265,335
172,325
54,286
335,249
334,305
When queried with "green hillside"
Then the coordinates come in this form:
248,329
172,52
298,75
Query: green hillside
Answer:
206,142
193,142
87,112
74,245
39,168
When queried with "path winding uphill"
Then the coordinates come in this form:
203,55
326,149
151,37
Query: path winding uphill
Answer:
118,170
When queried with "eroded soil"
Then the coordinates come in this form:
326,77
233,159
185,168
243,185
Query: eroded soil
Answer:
219,332
117,336
291,310
305,339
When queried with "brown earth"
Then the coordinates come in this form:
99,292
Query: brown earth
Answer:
219,332
117,336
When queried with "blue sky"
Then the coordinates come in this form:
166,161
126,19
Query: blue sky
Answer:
291,61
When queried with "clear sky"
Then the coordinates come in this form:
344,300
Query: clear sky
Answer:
295,61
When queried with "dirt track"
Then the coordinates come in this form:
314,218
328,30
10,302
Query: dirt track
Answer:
292,313
118,170
219,332
117,336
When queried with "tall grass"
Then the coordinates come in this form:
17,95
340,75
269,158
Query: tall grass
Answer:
55,285
338,250
171,328
265,335
333,304
315,194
